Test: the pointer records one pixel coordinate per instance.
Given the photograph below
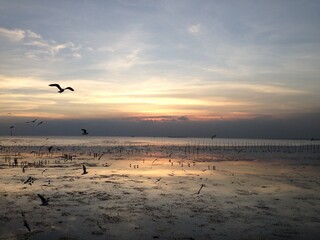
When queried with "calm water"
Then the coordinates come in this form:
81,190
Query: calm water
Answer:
136,141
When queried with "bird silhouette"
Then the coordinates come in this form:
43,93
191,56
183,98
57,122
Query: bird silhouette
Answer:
101,155
30,180
213,136
33,121
44,201
25,223
61,90
11,130
84,131
84,170
158,180
40,123
50,148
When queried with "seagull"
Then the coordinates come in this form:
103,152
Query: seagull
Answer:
30,180
40,123
101,155
11,130
33,121
213,136
100,225
44,201
84,131
84,170
25,223
61,90
50,148
158,180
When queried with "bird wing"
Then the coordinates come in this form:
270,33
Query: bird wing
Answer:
84,130
101,156
55,85
70,88
25,223
43,200
27,180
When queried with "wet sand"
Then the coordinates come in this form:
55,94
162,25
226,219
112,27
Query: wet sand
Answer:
157,194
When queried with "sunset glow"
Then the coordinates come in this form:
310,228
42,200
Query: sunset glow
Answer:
146,60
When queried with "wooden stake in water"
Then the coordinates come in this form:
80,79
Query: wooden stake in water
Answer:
202,185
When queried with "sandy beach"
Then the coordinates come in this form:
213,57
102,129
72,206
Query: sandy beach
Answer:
157,192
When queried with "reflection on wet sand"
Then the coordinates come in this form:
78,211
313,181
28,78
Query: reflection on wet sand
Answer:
151,192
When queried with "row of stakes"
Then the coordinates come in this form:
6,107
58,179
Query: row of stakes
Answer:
180,163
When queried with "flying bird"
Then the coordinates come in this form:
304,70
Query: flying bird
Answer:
44,201
33,121
61,90
30,180
84,131
40,123
158,180
84,170
213,136
11,127
101,155
25,223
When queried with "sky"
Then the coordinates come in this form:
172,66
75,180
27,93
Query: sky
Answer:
161,68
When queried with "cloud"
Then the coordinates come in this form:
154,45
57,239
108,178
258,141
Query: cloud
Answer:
160,118
125,61
183,118
41,48
36,47
50,48
126,51
14,35
32,35
194,29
